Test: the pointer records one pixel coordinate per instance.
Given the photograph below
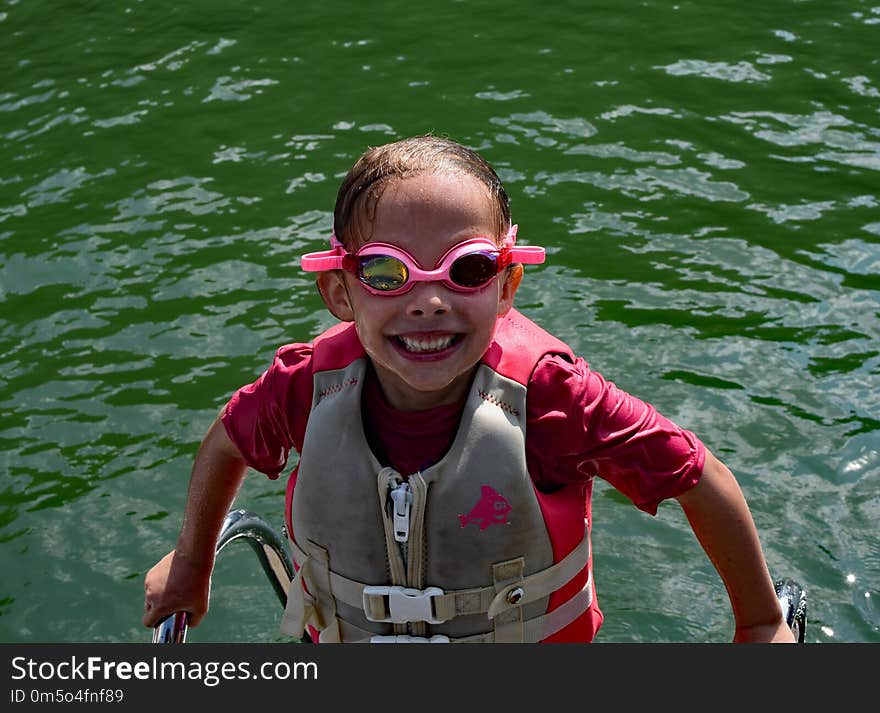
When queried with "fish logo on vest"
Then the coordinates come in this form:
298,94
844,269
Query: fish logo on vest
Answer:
491,509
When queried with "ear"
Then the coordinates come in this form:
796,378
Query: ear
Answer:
331,285
513,276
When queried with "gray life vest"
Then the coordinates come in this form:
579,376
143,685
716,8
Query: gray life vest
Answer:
458,552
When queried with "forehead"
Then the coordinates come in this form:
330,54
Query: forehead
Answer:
430,205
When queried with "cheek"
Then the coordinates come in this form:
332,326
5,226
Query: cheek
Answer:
489,300
371,339
372,315
483,310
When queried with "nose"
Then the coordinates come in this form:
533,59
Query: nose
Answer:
428,299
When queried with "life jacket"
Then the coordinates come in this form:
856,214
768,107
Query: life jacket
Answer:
467,550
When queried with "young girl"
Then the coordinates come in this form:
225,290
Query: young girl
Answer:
447,444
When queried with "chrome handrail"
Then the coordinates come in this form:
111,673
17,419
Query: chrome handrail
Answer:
172,629
268,545
270,549
793,600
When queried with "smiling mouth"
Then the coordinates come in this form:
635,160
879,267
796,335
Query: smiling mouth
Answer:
426,344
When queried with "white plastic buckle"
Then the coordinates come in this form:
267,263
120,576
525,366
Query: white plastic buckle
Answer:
407,639
404,604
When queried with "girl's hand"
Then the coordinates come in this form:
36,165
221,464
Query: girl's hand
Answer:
176,583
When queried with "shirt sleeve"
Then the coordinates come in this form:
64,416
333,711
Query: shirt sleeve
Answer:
266,419
579,425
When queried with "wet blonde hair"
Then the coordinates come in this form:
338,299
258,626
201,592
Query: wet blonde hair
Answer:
378,166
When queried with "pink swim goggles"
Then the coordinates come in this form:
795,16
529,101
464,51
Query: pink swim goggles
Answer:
386,269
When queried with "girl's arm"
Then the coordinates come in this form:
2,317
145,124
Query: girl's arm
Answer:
721,520
181,580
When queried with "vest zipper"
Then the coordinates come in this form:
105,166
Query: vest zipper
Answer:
404,518
388,481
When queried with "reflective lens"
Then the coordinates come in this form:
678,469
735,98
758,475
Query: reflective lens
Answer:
382,272
474,269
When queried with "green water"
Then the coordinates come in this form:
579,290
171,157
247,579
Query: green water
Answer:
705,177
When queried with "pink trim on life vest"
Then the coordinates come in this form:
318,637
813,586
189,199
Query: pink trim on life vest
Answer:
518,345
567,512
336,348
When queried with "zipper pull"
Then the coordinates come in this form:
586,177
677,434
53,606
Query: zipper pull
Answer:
403,498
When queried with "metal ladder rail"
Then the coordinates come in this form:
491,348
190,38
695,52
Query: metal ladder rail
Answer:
267,544
793,600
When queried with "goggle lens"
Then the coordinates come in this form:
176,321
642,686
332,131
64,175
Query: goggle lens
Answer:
474,269
383,273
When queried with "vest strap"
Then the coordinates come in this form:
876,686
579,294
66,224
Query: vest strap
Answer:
542,627
509,622
478,600
533,630
542,583
300,608
556,620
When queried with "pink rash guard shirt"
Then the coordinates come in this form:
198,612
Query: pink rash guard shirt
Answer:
578,426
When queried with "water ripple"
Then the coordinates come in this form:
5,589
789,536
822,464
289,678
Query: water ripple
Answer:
740,72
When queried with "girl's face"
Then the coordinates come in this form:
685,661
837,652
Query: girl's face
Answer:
425,343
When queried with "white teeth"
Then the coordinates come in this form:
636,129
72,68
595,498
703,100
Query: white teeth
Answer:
429,344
